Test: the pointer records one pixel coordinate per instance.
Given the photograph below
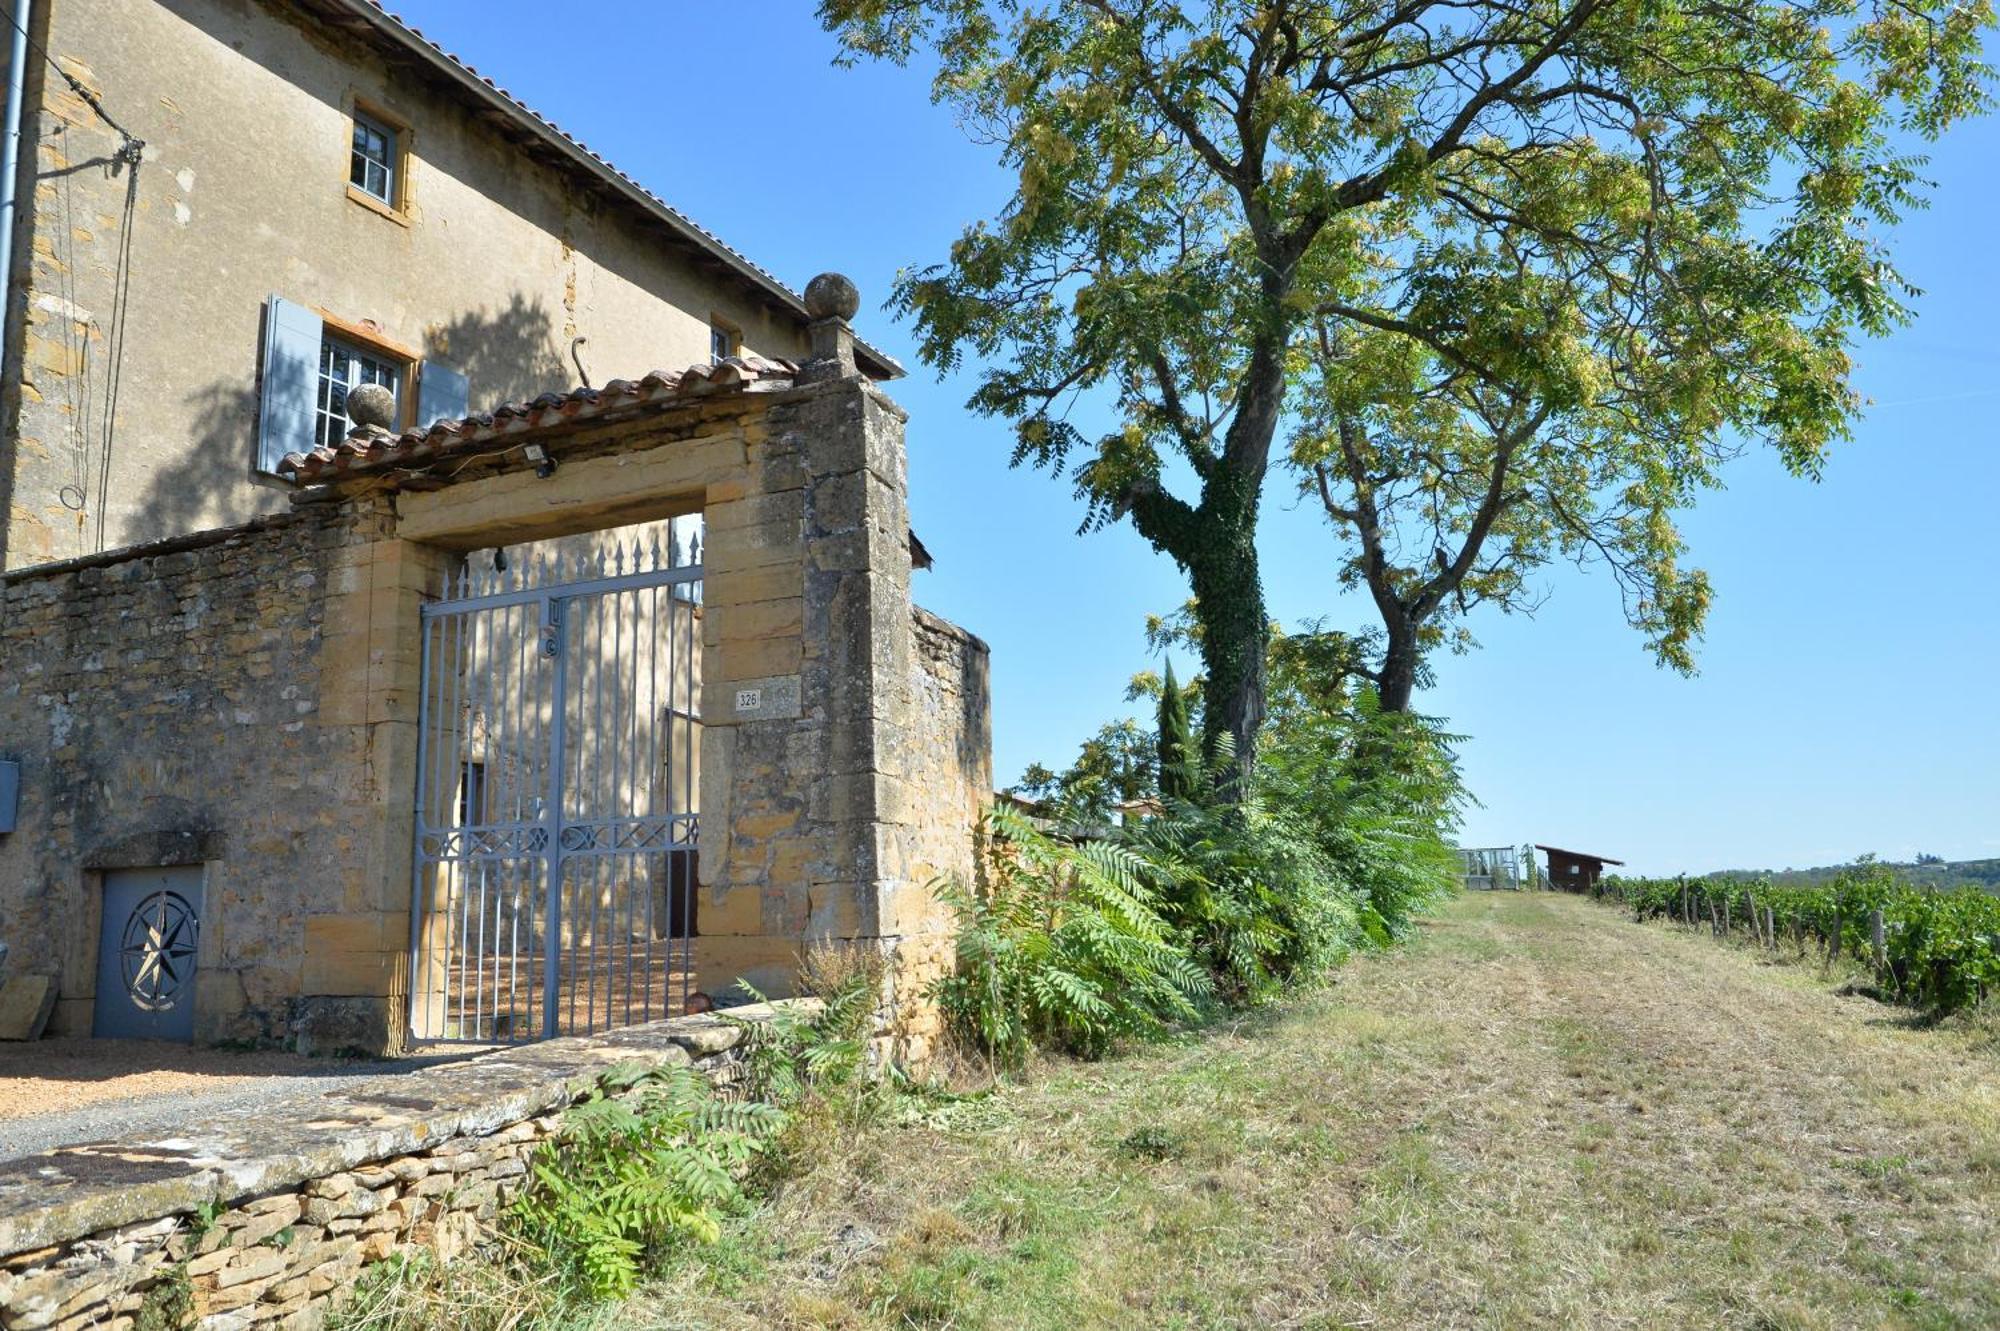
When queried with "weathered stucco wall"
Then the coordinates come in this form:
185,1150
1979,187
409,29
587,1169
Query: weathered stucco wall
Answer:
305,1193
203,705
245,108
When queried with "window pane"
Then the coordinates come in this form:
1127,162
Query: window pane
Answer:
372,165
342,367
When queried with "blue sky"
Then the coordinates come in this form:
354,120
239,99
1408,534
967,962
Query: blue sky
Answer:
1849,699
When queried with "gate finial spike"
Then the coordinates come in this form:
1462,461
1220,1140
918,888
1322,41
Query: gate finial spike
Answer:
694,548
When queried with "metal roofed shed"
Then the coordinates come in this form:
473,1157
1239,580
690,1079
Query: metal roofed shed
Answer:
1575,870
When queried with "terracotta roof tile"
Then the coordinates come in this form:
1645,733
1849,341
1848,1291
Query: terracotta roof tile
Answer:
443,439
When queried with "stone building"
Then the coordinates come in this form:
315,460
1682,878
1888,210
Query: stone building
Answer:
228,212
245,807
502,706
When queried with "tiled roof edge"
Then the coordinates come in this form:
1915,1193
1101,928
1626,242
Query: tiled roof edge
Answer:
412,39
447,438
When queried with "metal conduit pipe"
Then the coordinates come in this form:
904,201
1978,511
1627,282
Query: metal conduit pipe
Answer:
10,165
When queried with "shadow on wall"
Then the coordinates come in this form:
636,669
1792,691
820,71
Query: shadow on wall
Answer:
507,355
510,355
975,726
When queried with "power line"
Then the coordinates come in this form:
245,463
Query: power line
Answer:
129,150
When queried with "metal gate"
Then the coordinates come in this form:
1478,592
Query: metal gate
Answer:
1491,868
556,811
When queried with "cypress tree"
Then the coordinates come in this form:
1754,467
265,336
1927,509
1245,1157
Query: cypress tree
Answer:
1176,742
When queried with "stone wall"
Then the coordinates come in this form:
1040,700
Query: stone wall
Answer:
950,751
248,701
193,703
270,1214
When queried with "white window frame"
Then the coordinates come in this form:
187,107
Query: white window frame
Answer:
360,161
724,341
364,365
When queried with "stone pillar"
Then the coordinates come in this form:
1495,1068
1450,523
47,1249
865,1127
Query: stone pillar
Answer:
354,985
807,641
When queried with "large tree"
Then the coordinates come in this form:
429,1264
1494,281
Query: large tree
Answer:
1574,206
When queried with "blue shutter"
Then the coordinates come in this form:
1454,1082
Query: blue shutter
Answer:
285,418
442,394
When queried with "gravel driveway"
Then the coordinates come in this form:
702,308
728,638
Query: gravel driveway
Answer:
59,1092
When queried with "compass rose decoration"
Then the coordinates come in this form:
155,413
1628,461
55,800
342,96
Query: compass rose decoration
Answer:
157,953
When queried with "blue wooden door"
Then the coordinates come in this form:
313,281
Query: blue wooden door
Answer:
146,953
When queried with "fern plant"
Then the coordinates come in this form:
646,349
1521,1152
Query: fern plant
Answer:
799,1052
650,1159
1063,943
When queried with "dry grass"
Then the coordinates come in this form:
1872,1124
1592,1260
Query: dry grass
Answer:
1538,1114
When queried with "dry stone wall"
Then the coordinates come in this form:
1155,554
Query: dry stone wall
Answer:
267,1219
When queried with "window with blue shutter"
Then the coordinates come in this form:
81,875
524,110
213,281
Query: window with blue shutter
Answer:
287,409
443,394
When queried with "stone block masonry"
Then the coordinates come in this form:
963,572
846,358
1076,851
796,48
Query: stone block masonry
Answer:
303,1195
246,706
215,701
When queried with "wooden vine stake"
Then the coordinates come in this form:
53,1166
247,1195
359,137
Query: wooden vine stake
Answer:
1878,940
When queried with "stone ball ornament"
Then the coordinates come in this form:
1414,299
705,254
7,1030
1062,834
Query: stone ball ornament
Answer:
832,296
371,407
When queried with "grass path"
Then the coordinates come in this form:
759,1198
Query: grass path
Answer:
1538,1114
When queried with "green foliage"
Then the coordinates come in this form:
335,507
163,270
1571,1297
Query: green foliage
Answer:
1112,767
814,1062
1063,943
1178,756
1941,947
649,1160
1520,277
169,1304
1247,887
1379,790
1240,884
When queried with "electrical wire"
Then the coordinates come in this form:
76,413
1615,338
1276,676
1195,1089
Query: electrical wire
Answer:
129,150
77,386
114,350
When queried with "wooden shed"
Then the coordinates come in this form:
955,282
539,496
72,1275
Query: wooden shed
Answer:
1573,870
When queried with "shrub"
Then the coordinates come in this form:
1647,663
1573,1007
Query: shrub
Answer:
651,1157
1062,943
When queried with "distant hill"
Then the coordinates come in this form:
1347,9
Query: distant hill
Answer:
1933,872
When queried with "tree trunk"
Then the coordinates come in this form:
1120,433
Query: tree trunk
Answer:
1398,680
1235,635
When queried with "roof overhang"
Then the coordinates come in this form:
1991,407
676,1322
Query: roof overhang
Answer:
370,19
1578,854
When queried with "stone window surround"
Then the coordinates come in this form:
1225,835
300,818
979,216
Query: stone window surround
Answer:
363,109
